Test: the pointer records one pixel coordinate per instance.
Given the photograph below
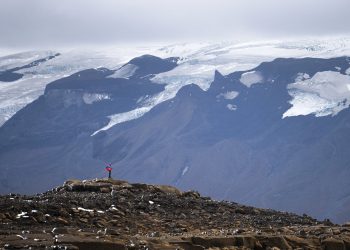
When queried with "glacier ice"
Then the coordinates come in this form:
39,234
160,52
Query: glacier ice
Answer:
21,59
326,93
15,95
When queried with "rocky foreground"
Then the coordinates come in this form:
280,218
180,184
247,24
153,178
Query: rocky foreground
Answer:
113,214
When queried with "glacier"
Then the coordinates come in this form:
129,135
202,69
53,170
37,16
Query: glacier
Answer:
197,64
199,61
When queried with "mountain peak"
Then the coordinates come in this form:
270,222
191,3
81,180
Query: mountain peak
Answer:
218,76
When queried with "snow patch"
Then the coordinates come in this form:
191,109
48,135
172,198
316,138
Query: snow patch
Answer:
90,98
250,78
123,117
169,92
113,208
229,95
22,215
21,236
187,73
231,107
184,171
85,210
126,71
326,93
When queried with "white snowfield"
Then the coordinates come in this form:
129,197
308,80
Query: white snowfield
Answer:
197,64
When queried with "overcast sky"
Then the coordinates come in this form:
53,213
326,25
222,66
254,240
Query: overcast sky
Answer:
54,23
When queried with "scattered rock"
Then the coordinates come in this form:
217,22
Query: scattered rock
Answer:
113,214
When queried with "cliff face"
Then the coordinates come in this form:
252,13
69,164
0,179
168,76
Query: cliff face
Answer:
113,214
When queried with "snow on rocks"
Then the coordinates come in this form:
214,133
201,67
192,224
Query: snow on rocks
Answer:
22,215
85,210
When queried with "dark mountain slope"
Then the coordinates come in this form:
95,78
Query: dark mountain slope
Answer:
226,145
249,154
49,139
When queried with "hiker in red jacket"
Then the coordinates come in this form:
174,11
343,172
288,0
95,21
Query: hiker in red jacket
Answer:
109,169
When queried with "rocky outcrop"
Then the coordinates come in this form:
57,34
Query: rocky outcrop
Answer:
115,214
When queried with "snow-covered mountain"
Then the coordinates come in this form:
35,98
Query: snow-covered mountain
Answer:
266,124
32,78
197,65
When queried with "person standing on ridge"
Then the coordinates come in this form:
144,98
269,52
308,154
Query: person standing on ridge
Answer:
109,169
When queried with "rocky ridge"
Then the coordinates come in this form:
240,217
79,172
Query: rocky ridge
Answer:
114,214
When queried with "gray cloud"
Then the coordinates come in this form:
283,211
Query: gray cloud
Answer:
43,23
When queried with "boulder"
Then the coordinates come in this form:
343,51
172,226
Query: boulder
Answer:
333,244
168,189
62,221
273,241
91,244
191,194
87,186
249,242
297,242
